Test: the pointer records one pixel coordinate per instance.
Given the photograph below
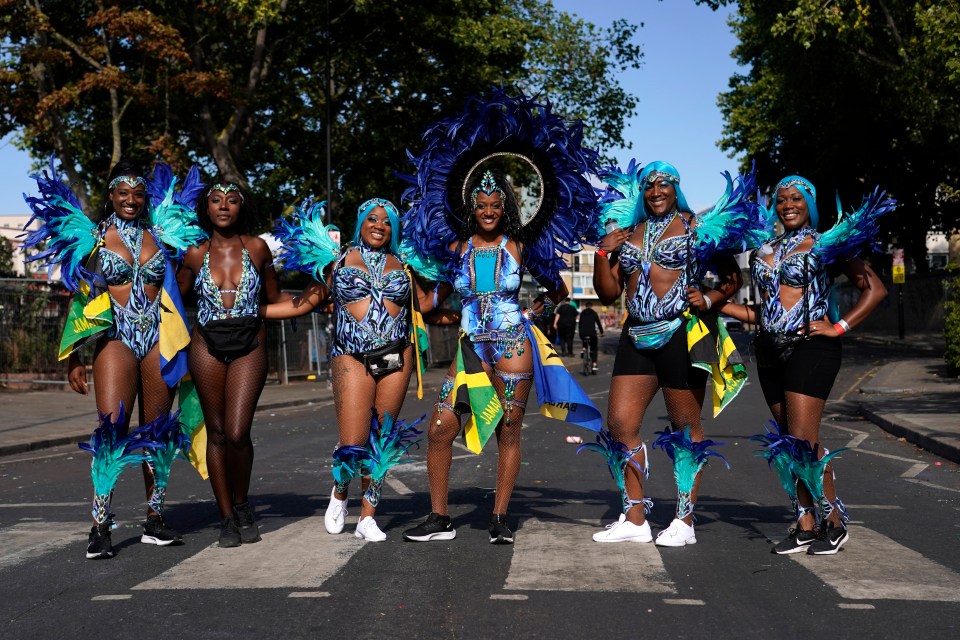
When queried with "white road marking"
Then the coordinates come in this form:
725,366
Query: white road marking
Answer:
398,486
915,470
301,555
309,594
854,605
560,556
931,484
507,596
71,452
121,596
21,505
856,440
27,540
684,601
871,567
888,507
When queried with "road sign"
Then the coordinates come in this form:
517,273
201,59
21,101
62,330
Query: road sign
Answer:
899,274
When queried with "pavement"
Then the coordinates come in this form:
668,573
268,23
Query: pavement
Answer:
908,394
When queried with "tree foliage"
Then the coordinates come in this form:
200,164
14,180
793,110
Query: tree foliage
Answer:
240,86
853,93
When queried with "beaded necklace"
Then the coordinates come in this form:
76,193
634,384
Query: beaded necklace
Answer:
131,235
653,231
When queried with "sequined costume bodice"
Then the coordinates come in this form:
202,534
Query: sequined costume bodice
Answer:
137,323
246,299
352,284
672,254
488,281
788,269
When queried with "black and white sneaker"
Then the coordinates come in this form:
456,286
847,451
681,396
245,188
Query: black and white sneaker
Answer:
796,542
99,546
156,531
243,516
499,531
435,527
829,541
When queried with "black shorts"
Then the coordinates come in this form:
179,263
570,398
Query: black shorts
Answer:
811,371
670,363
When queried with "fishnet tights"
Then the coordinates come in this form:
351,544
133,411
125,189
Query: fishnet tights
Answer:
630,396
445,425
356,393
228,396
119,377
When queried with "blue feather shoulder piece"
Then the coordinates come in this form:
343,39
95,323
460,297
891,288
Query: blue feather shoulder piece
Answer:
620,201
425,266
305,241
736,223
513,125
854,231
67,235
172,210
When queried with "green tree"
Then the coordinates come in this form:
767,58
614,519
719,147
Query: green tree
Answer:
6,258
853,93
241,86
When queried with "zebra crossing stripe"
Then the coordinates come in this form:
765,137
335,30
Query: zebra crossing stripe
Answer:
301,555
554,555
871,566
27,540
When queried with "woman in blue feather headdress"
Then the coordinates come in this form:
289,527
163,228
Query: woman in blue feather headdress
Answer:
376,345
120,269
798,353
656,251
229,272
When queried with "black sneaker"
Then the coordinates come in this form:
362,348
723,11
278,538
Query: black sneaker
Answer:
229,533
499,531
829,541
100,547
796,542
156,531
243,516
435,527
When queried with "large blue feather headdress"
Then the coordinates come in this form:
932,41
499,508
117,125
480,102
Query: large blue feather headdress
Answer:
392,213
500,124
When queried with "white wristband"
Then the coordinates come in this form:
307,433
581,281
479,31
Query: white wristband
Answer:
843,323
707,301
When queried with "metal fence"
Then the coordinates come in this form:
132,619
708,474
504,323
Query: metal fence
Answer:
33,312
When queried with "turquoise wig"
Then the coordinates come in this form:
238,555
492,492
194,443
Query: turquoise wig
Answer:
807,190
665,170
392,213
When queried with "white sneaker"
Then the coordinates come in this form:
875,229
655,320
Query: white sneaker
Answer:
679,533
624,531
335,515
368,530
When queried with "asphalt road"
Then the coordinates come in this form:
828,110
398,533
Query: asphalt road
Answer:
898,576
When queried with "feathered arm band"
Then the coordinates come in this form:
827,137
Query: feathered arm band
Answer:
172,210
855,230
305,241
735,223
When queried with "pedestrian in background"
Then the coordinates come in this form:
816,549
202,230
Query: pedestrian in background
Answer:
566,325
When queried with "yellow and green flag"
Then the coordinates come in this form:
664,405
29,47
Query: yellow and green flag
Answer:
712,349
89,314
191,417
474,392
418,335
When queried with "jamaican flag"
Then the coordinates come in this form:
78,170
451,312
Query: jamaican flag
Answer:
473,392
89,313
712,350
418,334
191,420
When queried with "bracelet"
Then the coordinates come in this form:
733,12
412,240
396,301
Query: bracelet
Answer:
841,327
707,301
600,252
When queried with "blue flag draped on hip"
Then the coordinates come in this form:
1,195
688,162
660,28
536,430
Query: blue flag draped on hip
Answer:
174,332
559,394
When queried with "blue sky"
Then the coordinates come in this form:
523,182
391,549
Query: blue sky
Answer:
686,64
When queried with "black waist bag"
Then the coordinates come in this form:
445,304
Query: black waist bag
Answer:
774,349
386,359
231,338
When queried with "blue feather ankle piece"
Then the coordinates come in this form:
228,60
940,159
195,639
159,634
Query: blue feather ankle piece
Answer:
806,466
389,442
618,456
347,462
777,450
167,432
688,456
112,454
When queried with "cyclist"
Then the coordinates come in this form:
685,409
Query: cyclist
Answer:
589,325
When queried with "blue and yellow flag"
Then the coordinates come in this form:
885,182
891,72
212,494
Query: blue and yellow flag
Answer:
712,349
474,392
174,331
191,419
559,394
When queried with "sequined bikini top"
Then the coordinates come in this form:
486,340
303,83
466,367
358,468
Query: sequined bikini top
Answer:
669,253
117,271
246,300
